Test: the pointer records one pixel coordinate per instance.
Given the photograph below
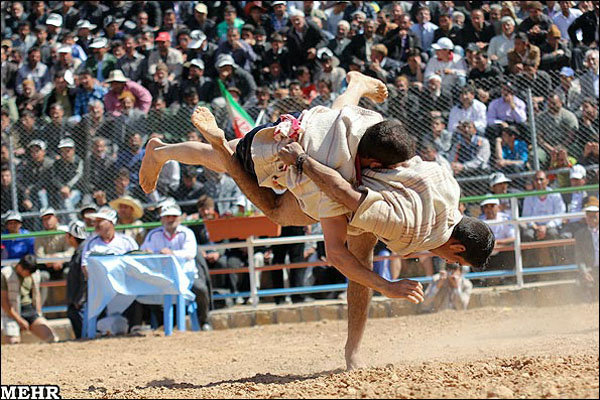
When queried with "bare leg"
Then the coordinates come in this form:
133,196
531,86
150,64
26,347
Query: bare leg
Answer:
41,329
360,85
358,298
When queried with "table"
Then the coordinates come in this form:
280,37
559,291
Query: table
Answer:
115,282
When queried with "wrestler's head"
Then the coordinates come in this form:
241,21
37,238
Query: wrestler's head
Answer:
385,144
471,243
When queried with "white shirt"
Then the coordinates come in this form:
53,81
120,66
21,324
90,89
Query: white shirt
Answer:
120,244
182,244
504,231
476,113
563,23
499,46
457,65
552,204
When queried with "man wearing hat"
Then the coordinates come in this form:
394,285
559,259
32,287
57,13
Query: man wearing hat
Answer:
586,247
537,24
85,212
179,241
19,247
555,53
328,69
196,79
67,173
504,233
169,55
576,201
119,83
570,88
35,174
54,246
522,50
102,62
199,20
232,75
499,184
447,64
76,235
130,211
54,23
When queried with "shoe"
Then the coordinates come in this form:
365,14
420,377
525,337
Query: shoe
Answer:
342,296
206,327
250,301
239,300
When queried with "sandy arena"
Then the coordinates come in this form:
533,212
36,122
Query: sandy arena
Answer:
549,352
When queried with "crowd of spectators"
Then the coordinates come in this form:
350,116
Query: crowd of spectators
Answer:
86,84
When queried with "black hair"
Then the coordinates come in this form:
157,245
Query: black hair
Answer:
478,239
29,263
387,142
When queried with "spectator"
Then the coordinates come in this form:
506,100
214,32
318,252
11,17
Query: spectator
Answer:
381,66
62,94
424,29
304,38
589,79
402,39
507,108
200,22
434,101
341,40
242,52
585,146
232,75
88,91
102,63
16,248
56,128
586,248
76,280
588,24
471,152
429,152
404,105
468,108
447,29
565,18
55,246
191,189
504,233
7,195
537,24
36,71
448,290
549,204
554,53
575,201
448,65
177,240
440,137
523,50
35,174
279,17
67,172
363,6
230,21
25,40
556,125
96,123
538,81
99,165
21,304
295,251
167,54
499,185
83,29
85,213
30,99
495,17
414,69
129,212
152,10
569,89
196,80
131,62
478,31
119,83
16,15
560,158
361,46
328,69
511,153
66,61
131,154
458,19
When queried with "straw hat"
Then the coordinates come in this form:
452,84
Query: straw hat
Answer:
138,210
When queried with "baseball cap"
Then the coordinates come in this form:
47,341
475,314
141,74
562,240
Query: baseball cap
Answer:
14,216
225,59
566,71
201,8
498,177
65,49
276,3
163,37
7,42
99,43
197,38
577,172
197,63
296,13
86,207
76,229
54,20
434,76
85,24
591,205
66,142
490,201
443,44
47,211
171,210
507,20
106,213
37,142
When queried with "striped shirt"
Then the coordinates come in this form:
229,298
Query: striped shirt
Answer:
120,244
413,207
182,243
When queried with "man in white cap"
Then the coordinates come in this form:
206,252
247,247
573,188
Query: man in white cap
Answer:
232,75
19,247
450,66
586,247
177,240
196,79
67,172
504,233
499,185
570,89
54,246
118,84
102,62
107,240
199,20
575,201
54,23
75,236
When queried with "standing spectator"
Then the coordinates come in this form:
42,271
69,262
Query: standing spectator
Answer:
537,24
448,65
67,172
468,108
588,24
478,31
16,248
304,38
501,44
231,20
131,61
565,18
119,83
36,71
429,152
586,248
424,29
548,204
7,195
35,174
55,246
242,52
167,54
88,91
449,289
523,50
76,280
361,45
341,40
471,152
402,39
511,153
21,304
102,63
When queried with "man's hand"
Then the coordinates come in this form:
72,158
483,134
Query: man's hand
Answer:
311,53
405,289
453,280
65,191
457,167
290,152
23,324
212,257
166,251
541,231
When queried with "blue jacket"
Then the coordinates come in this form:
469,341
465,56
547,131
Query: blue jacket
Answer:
19,247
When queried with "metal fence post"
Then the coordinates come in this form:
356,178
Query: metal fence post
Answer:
514,207
252,272
531,116
13,172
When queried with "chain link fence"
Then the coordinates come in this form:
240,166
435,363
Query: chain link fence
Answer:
471,127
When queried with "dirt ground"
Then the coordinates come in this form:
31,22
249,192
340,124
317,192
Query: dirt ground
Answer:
488,352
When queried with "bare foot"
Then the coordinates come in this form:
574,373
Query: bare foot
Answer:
373,88
352,362
151,166
205,122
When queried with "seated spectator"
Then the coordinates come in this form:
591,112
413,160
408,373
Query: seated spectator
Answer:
589,79
362,45
62,94
414,69
309,89
440,137
35,71
190,189
54,246
535,206
21,304
569,89
404,105
381,66
485,74
119,83
304,38
16,248
262,111
560,158
195,79
458,18
575,201
325,96
66,61
161,86
129,212
177,240
402,39
477,30
231,20
100,164
328,68
587,23
499,185
424,29
429,152
586,249
102,62
501,44
7,194
35,174
23,131
448,65
511,153
67,172
341,40
468,108
76,280
537,81
447,29
537,24
434,101
131,62
523,50
242,52
504,234
85,213
585,146
56,128
449,290
555,54
495,17
133,119
30,99
557,125
89,90
506,108
232,76
470,153
121,187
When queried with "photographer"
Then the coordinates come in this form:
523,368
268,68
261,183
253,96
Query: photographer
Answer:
449,290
